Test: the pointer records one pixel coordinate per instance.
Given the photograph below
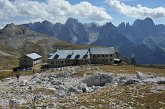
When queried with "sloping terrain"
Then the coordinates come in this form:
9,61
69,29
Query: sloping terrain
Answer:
16,40
8,57
96,88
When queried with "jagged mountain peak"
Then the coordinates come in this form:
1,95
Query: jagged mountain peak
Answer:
128,25
147,22
71,21
148,19
122,25
10,26
13,30
109,26
46,22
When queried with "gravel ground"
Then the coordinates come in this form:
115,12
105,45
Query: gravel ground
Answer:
56,84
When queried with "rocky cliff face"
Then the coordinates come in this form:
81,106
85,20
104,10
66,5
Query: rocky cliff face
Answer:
110,36
144,32
74,32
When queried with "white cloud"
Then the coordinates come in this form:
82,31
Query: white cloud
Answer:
137,12
52,10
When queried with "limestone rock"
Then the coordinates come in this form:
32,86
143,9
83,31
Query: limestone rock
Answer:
98,80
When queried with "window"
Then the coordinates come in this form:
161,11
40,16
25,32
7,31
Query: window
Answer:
98,55
52,62
106,55
110,55
62,62
110,59
102,55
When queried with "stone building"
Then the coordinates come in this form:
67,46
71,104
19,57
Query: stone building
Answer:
102,55
30,60
63,58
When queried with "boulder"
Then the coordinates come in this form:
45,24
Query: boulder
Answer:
83,107
38,97
130,81
15,101
161,81
98,80
122,80
23,83
74,89
158,80
140,75
83,87
63,75
56,83
61,93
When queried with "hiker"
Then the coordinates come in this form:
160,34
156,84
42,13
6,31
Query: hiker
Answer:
17,76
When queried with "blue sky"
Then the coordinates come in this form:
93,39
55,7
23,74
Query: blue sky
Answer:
100,11
117,17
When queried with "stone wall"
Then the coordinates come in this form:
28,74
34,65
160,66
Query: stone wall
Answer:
102,58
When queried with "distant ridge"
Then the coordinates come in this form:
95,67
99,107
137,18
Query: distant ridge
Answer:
145,39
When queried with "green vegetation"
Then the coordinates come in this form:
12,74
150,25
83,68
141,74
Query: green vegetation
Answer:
10,73
43,91
4,74
9,59
87,70
122,96
117,69
109,98
130,69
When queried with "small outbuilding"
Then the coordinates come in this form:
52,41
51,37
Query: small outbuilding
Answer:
30,60
117,61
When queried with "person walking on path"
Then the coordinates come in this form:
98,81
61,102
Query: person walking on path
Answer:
17,76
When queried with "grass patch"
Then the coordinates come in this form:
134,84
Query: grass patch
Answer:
129,69
121,97
10,73
4,74
7,62
43,91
